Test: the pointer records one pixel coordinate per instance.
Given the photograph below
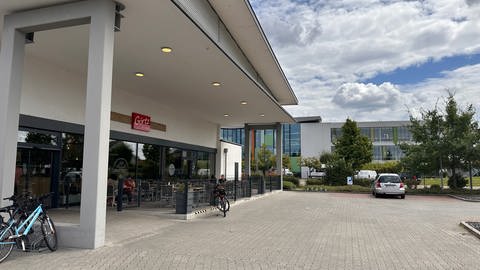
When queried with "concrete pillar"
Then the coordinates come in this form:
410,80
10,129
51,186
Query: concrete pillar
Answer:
11,69
101,16
279,150
247,151
97,124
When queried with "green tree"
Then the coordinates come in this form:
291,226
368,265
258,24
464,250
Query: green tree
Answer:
448,139
265,159
354,148
311,162
286,163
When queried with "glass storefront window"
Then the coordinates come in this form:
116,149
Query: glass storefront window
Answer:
41,138
148,161
122,159
70,183
173,163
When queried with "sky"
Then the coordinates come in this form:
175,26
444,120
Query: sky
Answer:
375,60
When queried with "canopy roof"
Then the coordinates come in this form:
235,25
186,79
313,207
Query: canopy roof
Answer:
183,78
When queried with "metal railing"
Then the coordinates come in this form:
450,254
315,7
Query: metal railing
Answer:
188,195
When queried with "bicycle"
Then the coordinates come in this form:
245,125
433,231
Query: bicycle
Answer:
221,201
22,223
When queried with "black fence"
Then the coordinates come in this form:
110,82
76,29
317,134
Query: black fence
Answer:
188,195
200,192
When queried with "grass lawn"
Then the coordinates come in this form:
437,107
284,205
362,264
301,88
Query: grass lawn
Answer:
432,181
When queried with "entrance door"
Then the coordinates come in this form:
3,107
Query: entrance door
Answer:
35,171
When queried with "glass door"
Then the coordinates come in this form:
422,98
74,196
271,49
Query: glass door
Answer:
34,171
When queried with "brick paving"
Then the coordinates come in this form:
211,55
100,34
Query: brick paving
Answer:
288,230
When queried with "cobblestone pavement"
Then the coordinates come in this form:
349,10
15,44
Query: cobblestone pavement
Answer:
289,230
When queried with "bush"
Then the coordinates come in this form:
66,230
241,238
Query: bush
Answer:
411,183
288,185
337,172
363,182
435,188
457,181
292,179
312,182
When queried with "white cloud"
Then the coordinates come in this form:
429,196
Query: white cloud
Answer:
327,47
366,96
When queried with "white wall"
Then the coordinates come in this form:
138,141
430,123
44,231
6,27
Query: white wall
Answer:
234,154
315,138
54,93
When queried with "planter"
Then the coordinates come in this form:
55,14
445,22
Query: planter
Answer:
180,203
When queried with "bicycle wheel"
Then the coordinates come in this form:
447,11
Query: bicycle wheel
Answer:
224,207
49,233
227,204
6,245
218,203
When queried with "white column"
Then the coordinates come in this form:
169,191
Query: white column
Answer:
11,69
97,124
247,150
279,149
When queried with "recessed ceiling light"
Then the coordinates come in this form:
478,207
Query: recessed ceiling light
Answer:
139,74
215,83
226,115
262,115
243,103
166,49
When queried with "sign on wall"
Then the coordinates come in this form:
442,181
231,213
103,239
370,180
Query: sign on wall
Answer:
140,122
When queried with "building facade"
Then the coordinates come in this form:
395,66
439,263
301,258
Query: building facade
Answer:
385,136
309,137
93,90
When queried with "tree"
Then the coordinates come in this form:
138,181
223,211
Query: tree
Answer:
311,162
286,163
354,148
265,159
447,139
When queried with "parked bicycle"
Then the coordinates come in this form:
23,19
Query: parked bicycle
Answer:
27,217
221,200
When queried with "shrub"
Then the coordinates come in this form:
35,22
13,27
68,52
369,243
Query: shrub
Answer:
435,188
363,182
457,181
312,182
411,184
292,179
337,171
288,185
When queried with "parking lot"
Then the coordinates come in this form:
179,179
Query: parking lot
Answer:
288,230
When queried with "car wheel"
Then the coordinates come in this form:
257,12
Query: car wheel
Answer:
402,196
377,195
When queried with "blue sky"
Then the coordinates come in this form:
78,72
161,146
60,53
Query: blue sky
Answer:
430,69
375,60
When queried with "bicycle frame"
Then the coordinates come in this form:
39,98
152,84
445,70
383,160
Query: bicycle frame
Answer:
26,225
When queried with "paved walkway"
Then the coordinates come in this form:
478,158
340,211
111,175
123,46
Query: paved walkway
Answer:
289,230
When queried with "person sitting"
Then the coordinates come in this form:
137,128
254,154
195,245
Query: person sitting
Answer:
220,186
128,188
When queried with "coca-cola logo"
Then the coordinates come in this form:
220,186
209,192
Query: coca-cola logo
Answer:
140,122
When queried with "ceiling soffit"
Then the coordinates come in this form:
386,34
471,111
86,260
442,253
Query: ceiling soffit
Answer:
179,80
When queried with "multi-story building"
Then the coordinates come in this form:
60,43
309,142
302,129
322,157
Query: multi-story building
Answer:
318,138
309,137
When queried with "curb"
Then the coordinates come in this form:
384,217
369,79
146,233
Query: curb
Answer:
462,199
471,229
209,210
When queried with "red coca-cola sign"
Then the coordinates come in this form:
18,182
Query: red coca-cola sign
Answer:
140,122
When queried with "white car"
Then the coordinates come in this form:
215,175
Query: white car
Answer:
287,172
388,184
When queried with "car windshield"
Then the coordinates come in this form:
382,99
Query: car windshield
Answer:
389,179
